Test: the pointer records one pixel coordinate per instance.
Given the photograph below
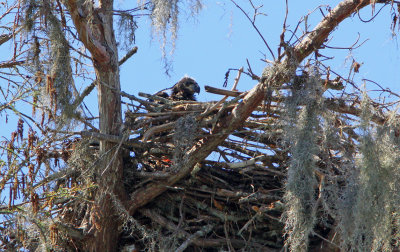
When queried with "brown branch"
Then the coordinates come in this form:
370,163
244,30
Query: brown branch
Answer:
219,91
10,64
111,138
157,129
320,33
90,33
128,55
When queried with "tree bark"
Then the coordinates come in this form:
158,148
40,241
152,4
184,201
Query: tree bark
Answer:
95,28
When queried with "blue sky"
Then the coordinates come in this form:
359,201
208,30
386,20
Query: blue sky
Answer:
221,37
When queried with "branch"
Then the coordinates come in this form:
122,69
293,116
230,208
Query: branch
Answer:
128,55
111,138
5,37
315,39
202,232
255,27
90,30
219,91
10,64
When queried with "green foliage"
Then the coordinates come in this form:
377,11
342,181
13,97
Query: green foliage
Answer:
377,191
60,69
302,135
363,197
51,64
30,7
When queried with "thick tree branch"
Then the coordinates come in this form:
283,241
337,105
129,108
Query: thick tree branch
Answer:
90,32
320,33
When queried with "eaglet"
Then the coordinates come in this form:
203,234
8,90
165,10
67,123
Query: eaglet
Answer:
183,90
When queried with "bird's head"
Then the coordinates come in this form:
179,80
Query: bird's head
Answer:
190,85
184,90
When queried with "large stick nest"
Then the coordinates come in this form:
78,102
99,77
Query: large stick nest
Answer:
234,198
231,199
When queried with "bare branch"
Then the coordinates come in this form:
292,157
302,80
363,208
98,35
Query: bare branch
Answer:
255,27
128,55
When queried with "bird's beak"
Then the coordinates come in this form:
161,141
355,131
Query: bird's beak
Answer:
197,88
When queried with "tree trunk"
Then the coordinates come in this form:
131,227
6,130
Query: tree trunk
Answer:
111,166
95,28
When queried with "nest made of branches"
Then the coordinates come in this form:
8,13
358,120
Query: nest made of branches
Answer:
234,199
231,199
294,159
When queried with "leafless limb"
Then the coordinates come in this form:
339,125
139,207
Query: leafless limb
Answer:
254,26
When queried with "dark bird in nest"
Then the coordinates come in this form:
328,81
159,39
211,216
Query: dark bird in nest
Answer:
183,90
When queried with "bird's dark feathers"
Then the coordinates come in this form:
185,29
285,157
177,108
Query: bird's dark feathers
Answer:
162,94
183,90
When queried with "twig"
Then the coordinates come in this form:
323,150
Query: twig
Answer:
205,230
157,129
247,224
128,55
10,64
228,239
251,73
219,91
226,96
255,27
282,37
124,137
323,238
246,163
237,79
